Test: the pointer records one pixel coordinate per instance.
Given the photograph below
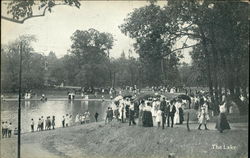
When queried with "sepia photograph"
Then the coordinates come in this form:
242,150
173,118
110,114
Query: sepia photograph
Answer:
124,78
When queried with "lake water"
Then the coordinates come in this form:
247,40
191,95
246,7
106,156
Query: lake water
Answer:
36,109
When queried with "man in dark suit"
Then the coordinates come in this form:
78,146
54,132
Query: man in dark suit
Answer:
163,108
170,112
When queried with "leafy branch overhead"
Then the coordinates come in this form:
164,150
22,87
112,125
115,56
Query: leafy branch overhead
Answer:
22,10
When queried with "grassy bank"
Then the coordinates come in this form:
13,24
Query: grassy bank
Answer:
117,140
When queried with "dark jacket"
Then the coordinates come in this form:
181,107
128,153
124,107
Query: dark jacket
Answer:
172,112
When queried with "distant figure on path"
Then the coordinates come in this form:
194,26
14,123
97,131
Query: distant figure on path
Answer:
3,130
32,125
77,120
42,123
9,130
222,122
96,117
63,122
53,122
87,116
67,120
39,125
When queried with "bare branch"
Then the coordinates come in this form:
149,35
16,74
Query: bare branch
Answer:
11,20
181,49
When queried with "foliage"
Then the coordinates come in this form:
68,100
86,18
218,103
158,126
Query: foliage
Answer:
147,25
32,65
21,10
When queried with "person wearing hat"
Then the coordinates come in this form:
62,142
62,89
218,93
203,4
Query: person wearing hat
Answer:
141,107
163,108
171,112
154,110
147,120
131,113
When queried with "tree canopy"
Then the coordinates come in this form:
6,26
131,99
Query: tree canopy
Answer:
22,10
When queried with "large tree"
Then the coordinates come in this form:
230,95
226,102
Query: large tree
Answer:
32,65
221,30
90,53
147,25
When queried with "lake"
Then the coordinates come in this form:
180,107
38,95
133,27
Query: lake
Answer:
36,109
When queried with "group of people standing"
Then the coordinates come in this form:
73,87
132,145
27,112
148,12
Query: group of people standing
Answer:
160,111
43,124
82,118
152,112
7,129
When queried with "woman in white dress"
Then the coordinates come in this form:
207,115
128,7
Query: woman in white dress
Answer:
177,115
77,120
154,110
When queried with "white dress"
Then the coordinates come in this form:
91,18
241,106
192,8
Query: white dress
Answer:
176,115
77,118
158,116
154,109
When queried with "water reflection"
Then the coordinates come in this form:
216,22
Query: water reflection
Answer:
36,109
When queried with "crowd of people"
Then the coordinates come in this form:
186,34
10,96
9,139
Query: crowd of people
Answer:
151,111
159,111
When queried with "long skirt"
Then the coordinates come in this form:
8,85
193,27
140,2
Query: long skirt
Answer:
140,118
222,122
147,120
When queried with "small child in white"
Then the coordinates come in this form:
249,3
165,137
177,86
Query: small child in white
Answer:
158,117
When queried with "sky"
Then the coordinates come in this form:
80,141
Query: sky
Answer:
54,30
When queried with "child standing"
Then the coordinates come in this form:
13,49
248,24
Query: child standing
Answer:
158,118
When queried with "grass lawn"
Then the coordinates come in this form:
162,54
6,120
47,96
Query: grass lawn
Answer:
97,140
